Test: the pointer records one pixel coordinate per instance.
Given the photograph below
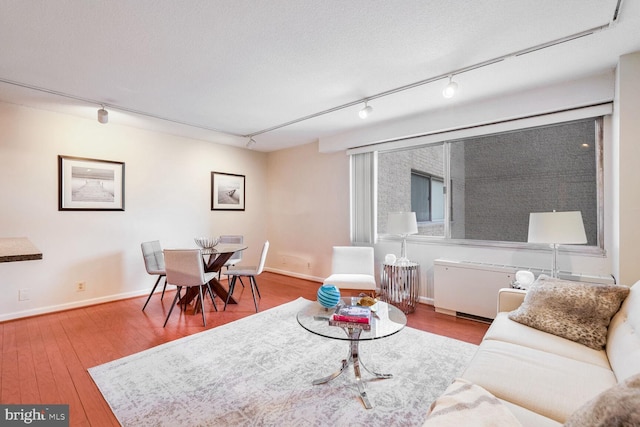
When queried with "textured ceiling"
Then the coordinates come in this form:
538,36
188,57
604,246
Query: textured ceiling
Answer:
243,66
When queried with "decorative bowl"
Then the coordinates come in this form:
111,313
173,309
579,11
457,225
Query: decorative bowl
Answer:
328,296
207,242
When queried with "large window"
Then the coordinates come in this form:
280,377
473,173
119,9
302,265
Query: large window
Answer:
484,188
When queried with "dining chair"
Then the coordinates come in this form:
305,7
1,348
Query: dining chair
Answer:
250,272
353,268
185,268
154,264
236,257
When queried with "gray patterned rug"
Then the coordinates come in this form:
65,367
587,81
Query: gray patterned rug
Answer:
257,371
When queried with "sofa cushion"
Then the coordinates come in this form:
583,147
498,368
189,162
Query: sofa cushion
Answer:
551,385
623,341
617,406
577,311
466,404
504,329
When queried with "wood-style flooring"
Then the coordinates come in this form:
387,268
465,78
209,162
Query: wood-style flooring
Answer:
45,358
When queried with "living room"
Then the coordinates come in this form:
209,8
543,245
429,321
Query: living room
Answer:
297,197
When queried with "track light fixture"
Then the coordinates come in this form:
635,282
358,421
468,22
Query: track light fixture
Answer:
366,111
250,143
450,90
103,115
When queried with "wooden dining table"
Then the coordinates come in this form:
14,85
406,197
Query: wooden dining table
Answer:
214,259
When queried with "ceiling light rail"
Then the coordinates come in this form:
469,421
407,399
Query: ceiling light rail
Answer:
369,109
436,78
114,106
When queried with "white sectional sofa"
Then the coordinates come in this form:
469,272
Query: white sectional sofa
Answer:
543,379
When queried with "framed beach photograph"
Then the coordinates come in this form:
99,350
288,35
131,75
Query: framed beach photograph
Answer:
90,184
227,192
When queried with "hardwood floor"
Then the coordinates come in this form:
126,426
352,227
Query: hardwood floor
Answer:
45,358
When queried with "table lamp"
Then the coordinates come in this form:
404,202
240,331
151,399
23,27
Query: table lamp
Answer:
556,228
403,224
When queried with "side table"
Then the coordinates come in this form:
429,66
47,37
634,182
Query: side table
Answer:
400,284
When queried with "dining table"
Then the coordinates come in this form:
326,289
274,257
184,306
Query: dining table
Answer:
214,259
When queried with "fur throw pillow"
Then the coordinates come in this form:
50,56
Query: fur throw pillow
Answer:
618,406
576,311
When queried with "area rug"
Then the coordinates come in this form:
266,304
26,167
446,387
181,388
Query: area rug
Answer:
257,371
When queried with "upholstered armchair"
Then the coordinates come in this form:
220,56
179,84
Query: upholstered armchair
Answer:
353,268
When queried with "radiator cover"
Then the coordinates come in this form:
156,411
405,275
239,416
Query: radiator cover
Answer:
471,288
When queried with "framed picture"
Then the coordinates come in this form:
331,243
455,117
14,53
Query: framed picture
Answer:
227,192
90,184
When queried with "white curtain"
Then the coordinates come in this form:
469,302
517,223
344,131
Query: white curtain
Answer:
363,198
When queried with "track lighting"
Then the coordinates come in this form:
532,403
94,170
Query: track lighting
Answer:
450,90
250,143
103,115
366,111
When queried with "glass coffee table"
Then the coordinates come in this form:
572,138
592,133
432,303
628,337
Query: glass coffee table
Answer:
386,321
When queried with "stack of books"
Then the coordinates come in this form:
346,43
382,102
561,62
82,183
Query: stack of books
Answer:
352,316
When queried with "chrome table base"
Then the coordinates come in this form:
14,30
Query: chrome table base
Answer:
353,358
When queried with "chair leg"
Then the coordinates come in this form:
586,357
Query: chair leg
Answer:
213,301
255,284
252,281
175,300
153,290
164,288
241,282
204,320
232,286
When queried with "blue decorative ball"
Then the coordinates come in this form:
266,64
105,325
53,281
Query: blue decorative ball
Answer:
328,296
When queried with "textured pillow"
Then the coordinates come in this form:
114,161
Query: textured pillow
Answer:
576,311
467,404
617,406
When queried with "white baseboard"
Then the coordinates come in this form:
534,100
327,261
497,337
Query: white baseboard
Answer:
71,305
296,275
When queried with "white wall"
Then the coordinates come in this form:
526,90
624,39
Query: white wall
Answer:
167,197
627,146
308,212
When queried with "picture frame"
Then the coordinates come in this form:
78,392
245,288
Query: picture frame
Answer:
90,184
227,192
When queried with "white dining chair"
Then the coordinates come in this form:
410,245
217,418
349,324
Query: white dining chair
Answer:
238,272
236,257
353,268
185,268
154,264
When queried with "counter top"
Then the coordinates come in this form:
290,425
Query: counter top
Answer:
18,249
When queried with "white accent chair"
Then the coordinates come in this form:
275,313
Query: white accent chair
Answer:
353,268
185,268
154,264
238,272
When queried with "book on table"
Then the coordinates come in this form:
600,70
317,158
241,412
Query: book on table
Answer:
352,314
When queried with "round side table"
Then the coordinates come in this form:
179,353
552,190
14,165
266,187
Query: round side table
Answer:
400,284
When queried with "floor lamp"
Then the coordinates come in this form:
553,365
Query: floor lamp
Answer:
403,224
556,228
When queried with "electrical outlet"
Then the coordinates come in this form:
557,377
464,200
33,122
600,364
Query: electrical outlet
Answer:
81,286
23,295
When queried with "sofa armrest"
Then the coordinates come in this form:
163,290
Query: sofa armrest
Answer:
509,299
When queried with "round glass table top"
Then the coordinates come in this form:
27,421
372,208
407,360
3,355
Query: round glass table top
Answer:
386,320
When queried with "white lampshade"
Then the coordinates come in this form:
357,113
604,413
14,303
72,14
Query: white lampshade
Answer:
402,223
556,227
